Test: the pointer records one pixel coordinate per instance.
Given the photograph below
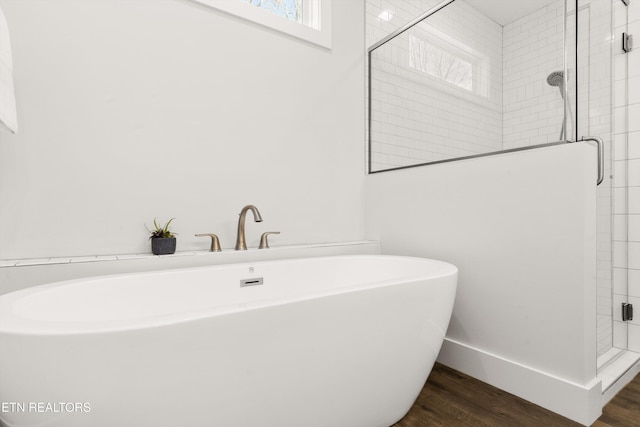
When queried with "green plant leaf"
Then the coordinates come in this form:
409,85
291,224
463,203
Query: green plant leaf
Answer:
166,227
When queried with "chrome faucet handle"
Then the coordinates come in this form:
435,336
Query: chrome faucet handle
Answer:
264,243
215,242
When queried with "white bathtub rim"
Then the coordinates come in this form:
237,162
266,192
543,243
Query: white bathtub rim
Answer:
18,325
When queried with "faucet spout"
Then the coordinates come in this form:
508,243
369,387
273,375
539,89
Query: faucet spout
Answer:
241,244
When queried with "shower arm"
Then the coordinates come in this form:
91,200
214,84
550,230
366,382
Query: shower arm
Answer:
600,145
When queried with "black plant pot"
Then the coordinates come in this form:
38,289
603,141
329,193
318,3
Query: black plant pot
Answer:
163,245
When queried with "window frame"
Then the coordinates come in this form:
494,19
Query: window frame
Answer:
315,27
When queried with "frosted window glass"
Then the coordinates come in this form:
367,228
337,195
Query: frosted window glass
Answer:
290,9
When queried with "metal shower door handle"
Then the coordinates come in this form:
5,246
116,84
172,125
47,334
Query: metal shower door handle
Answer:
600,144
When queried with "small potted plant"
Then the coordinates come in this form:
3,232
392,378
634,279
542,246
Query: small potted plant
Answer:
163,241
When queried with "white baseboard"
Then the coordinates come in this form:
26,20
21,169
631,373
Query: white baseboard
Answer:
580,403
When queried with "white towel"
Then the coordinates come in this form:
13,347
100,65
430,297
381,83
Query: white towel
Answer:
8,115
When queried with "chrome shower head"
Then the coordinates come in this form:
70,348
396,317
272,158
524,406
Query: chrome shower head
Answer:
556,78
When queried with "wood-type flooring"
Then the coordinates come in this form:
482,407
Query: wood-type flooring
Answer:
452,399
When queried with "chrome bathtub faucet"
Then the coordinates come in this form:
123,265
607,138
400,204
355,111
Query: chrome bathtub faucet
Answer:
241,244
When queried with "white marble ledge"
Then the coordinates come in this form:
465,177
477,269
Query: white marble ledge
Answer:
225,252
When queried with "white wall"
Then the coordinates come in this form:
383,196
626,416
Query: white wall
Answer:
131,110
521,229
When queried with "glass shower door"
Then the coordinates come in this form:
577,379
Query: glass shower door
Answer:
602,98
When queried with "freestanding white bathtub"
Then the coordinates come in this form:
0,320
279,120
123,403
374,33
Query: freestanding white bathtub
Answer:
326,342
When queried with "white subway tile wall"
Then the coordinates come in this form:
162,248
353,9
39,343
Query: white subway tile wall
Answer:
416,119
533,48
423,113
386,16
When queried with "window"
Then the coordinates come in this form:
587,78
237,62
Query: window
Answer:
446,58
306,19
439,63
290,9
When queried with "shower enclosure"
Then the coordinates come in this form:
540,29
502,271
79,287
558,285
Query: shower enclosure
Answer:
463,79
467,78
